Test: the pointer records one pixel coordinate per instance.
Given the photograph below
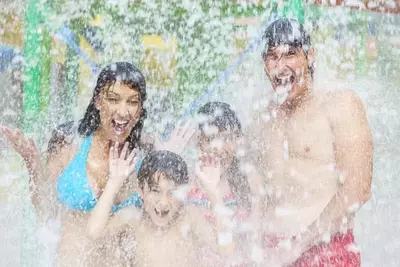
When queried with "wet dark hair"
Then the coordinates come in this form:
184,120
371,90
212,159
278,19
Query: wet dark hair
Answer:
171,165
221,115
128,74
284,31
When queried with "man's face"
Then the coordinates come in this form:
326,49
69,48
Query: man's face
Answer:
287,69
160,201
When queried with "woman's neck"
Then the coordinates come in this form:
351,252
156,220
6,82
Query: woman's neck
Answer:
101,143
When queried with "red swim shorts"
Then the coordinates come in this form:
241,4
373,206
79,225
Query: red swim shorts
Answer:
340,252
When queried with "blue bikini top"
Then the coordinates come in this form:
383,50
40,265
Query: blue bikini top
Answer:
73,189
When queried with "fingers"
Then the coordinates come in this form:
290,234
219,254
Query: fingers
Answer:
179,128
189,129
5,130
132,156
209,160
9,134
124,151
114,151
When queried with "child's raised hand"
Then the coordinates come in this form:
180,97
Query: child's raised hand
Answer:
208,170
179,138
123,164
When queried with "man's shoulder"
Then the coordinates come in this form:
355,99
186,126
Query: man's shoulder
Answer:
340,102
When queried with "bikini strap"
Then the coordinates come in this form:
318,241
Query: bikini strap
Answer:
85,146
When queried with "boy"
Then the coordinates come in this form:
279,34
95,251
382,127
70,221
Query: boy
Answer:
167,232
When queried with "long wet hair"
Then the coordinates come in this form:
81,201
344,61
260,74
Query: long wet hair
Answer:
127,74
284,31
221,115
123,72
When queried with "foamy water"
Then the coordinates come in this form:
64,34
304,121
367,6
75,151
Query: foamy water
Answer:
377,225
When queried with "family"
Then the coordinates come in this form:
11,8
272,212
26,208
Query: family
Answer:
290,200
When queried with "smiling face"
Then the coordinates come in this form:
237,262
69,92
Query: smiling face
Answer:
287,67
120,109
160,201
222,144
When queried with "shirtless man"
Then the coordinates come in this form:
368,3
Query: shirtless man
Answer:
316,157
167,232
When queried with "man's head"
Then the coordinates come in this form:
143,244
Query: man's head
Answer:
160,177
288,58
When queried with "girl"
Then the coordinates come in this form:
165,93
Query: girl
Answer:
219,137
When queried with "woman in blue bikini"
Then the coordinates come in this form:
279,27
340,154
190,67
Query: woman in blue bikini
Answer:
77,167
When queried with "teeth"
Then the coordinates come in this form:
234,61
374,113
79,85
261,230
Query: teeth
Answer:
161,213
121,122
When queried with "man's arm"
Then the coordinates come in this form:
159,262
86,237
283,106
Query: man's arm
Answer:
354,161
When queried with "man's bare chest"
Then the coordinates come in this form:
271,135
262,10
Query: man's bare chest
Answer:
306,137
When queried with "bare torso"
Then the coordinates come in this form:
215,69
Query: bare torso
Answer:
299,166
173,247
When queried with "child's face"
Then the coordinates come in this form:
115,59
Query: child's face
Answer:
222,145
160,201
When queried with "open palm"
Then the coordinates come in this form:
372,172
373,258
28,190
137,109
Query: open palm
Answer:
26,147
122,165
179,138
208,170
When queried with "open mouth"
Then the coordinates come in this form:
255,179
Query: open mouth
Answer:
283,85
284,82
161,213
119,126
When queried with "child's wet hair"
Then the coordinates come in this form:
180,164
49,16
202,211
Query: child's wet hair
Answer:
222,116
165,163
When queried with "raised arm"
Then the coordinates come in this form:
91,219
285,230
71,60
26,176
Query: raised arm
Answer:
42,177
102,222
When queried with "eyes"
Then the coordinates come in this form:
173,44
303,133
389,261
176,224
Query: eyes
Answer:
157,191
115,100
272,55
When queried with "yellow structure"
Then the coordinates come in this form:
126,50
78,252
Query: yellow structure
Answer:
11,26
158,60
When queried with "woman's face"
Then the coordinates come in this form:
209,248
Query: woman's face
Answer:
120,109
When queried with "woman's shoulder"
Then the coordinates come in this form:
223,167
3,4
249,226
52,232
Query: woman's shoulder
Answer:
63,142
63,137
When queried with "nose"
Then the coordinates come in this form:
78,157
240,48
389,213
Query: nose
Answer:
281,62
163,203
123,111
